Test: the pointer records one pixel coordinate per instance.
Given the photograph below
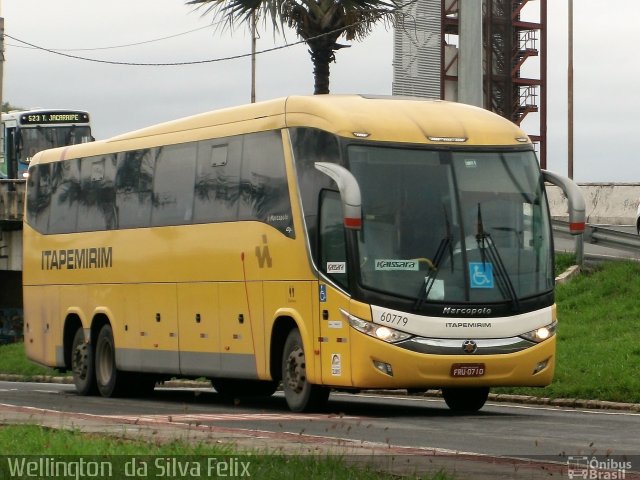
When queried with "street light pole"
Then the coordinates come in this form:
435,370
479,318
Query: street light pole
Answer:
570,94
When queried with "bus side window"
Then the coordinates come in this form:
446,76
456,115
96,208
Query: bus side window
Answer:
65,187
264,193
311,146
39,197
97,196
134,187
332,241
173,182
217,180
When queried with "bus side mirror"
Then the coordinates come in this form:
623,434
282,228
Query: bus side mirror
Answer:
577,205
349,193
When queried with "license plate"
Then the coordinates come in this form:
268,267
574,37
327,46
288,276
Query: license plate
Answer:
467,370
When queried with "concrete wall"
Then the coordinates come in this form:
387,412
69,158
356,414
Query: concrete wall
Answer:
11,199
607,203
11,250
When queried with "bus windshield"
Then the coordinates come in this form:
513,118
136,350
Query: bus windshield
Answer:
35,139
456,226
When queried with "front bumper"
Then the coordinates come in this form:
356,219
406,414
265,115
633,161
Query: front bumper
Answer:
532,366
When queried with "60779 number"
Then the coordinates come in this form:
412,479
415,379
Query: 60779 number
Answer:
393,319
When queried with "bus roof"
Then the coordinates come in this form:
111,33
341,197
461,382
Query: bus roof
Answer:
378,118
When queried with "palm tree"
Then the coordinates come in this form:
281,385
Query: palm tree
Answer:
320,23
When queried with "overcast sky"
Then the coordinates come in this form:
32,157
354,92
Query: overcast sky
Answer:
122,98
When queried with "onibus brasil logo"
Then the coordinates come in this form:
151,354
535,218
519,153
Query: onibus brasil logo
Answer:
586,467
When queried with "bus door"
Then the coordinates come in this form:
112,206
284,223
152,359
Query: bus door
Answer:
333,299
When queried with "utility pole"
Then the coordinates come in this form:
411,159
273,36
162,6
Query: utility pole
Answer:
570,94
253,57
1,55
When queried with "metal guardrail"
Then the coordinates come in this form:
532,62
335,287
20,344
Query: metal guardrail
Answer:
601,236
605,237
612,238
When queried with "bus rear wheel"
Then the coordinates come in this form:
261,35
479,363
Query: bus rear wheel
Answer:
82,361
109,380
301,396
465,400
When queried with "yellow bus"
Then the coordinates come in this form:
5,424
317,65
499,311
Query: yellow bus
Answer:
323,242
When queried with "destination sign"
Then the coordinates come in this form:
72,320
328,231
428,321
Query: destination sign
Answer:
53,117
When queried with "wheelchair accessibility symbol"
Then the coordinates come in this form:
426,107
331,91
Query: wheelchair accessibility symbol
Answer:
481,274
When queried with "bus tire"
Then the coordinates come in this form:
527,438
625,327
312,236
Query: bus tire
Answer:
466,399
301,396
109,380
235,387
82,365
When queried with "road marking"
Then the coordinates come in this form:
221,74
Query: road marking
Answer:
565,409
550,408
553,468
237,417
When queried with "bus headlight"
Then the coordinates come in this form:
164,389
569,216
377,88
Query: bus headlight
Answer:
380,332
540,334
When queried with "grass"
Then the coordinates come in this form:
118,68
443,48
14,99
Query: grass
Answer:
135,455
598,349
564,261
14,362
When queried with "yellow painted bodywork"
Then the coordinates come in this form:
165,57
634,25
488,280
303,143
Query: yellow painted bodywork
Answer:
202,289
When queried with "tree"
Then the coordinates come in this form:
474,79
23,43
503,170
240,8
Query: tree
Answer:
320,23
7,107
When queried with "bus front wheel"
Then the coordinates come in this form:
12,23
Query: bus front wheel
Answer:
301,396
82,364
465,400
108,378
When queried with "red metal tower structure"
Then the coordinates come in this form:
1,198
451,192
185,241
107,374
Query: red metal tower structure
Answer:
514,85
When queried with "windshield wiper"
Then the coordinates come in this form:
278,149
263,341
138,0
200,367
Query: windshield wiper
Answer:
504,281
445,244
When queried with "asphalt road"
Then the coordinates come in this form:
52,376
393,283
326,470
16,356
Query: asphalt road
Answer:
395,421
